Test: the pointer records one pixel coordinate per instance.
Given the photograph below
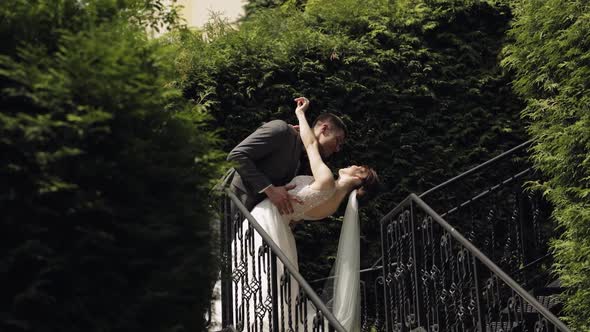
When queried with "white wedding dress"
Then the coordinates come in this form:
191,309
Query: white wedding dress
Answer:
254,279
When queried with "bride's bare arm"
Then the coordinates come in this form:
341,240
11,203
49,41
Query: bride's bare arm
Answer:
323,178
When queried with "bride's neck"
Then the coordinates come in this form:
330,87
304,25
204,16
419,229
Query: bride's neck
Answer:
342,189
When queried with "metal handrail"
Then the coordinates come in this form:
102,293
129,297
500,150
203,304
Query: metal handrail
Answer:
487,192
465,174
315,299
476,168
487,262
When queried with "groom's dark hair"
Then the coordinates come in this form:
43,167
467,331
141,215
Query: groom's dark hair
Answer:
333,119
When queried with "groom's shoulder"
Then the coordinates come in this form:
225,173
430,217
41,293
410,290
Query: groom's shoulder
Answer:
277,126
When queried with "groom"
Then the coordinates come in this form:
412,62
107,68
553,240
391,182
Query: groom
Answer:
269,158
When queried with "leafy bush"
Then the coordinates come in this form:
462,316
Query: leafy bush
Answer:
105,171
419,85
550,59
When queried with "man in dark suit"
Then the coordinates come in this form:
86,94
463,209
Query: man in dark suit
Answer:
269,158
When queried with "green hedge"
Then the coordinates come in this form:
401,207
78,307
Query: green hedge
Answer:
550,56
419,84
105,172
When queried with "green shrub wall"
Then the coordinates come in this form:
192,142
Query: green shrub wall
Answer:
105,172
418,83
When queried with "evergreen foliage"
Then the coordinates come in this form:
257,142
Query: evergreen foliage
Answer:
418,83
254,6
105,172
550,57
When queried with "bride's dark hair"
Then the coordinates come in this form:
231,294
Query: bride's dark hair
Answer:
369,187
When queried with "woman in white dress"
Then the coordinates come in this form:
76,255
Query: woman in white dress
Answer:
320,196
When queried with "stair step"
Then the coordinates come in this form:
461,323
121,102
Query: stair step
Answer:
502,327
553,287
554,284
548,301
551,302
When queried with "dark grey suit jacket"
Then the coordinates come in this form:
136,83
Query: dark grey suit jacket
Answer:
270,155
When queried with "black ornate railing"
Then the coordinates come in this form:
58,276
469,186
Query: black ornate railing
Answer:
470,254
437,280
492,207
372,300
489,271
261,288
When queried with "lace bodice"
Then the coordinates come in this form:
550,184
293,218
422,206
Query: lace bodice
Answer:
310,197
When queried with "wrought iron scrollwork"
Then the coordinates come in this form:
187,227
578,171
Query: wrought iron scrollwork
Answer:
261,289
436,280
431,277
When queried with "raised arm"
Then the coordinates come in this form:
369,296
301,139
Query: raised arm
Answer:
323,178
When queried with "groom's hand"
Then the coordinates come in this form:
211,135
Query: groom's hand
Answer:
280,197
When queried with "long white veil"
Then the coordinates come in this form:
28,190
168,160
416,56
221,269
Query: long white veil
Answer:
345,300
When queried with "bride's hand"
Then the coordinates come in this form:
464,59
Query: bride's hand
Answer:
302,104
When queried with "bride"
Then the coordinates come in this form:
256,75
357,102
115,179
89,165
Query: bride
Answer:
319,196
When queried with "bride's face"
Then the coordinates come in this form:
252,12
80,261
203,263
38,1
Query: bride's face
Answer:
354,171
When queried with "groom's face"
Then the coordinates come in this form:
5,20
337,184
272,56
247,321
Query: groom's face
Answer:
330,139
